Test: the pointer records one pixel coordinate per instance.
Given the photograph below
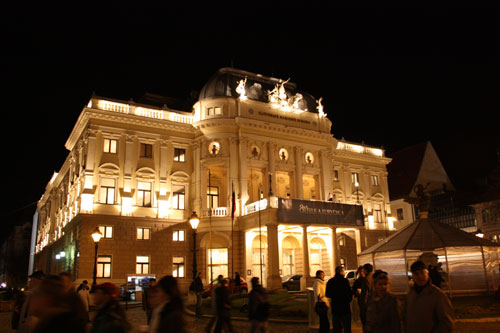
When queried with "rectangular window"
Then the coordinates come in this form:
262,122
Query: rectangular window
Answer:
219,263
110,146
210,111
400,214
146,150
213,197
144,194
178,267
178,197
178,236
103,266
355,177
143,233
375,180
377,214
142,265
107,191
106,231
217,110
335,175
179,155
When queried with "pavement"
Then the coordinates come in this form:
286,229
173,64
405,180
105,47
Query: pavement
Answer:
137,318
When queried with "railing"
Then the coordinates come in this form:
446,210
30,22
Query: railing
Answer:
216,212
145,112
359,149
256,206
150,113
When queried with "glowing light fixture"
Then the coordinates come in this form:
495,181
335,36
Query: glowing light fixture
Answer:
479,233
96,235
194,221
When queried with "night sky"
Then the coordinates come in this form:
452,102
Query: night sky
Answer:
388,77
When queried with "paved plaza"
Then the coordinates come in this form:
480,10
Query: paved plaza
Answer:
137,318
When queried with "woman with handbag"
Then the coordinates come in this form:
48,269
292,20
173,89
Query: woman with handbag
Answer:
322,302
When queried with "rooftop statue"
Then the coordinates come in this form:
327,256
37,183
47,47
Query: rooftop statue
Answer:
422,201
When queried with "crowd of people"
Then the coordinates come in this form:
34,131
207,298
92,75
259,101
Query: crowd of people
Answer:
426,309
51,304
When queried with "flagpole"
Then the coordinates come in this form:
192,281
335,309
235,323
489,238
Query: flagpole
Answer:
260,241
210,226
232,229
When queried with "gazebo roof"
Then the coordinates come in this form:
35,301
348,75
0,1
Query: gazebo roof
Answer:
427,234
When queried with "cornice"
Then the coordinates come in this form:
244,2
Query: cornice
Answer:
361,157
88,114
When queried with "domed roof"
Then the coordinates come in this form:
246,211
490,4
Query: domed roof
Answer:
224,82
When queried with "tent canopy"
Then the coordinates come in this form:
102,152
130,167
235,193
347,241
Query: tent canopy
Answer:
426,234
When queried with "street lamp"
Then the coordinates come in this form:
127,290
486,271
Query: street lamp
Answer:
357,192
194,221
96,236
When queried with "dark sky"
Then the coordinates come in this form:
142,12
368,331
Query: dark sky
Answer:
389,76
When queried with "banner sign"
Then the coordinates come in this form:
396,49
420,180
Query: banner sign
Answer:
319,212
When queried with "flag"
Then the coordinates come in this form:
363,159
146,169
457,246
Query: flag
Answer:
233,202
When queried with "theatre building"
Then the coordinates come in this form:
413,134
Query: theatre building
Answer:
303,200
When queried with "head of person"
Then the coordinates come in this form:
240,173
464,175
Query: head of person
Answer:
320,274
152,282
35,279
368,268
104,293
85,284
381,283
168,291
220,279
47,296
67,281
255,282
339,270
420,274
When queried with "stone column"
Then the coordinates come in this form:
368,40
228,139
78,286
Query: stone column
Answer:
306,280
272,167
233,172
273,269
243,152
298,174
335,248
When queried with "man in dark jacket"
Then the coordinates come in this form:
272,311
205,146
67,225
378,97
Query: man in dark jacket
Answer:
258,307
146,299
110,316
366,291
339,291
428,309
222,306
197,288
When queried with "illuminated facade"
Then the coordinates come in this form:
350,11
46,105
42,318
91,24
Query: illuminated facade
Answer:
138,172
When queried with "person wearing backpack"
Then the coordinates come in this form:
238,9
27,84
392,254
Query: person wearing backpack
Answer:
258,308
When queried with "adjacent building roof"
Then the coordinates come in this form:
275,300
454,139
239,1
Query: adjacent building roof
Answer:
427,234
414,165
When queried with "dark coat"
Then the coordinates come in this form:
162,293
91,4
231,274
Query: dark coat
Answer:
382,315
60,320
172,318
258,304
222,302
340,293
110,319
428,311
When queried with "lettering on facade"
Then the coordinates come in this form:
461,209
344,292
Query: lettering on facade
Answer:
277,116
319,212
311,210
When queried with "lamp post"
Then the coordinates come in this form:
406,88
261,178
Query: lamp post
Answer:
194,221
357,192
96,236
